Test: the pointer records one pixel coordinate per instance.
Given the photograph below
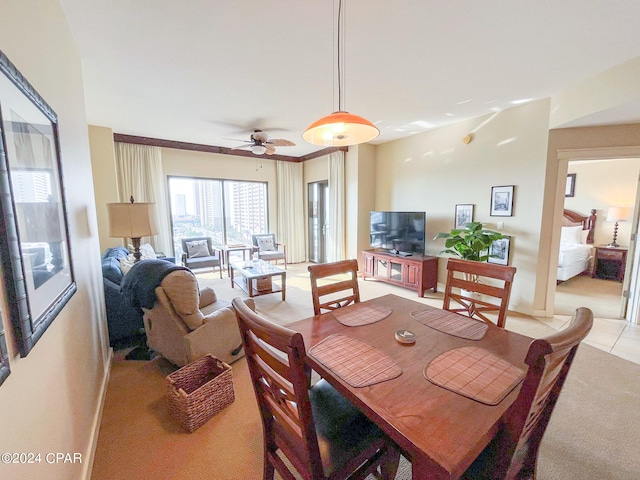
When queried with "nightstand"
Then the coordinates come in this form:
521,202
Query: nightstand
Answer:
609,263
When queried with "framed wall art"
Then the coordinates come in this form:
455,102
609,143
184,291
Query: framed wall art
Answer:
34,237
570,188
4,357
499,251
502,201
464,215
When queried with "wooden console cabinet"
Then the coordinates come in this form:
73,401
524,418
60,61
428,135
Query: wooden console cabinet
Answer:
417,272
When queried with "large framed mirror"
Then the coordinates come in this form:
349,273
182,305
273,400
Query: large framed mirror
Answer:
34,237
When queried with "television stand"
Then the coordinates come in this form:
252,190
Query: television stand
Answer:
416,272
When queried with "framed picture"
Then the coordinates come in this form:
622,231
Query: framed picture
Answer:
502,201
34,237
499,251
570,188
4,357
464,215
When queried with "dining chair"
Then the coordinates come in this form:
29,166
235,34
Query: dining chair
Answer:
319,431
477,281
513,453
334,288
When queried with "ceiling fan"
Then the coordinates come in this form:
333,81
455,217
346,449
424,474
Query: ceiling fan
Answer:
260,143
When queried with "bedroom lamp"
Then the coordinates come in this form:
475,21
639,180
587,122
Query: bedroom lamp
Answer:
132,220
617,214
340,128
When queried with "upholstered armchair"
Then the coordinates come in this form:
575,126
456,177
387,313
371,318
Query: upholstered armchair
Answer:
198,252
187,323
266,248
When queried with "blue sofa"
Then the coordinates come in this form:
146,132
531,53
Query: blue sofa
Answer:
124,321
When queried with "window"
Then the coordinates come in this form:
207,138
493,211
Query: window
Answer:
227,211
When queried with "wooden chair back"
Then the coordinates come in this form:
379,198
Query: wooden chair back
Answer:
281,382
336,289
472,277
513,453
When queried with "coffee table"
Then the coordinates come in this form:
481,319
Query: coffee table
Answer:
256,277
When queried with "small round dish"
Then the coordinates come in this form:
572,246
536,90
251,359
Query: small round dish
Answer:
405,336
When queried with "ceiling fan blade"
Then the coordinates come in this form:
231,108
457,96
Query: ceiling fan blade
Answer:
270,149
241,147
236,140
281,142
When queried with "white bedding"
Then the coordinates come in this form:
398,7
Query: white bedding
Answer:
571,253
573,259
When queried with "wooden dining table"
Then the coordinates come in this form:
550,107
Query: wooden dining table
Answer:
441,432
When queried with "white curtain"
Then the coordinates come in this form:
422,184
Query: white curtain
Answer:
291,229
139,172
335,237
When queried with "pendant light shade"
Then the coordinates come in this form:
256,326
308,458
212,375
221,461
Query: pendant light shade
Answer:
340,129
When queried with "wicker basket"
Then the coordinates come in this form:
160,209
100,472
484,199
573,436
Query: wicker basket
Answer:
264,285
198,391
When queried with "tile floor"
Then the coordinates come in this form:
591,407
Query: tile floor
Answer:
611,335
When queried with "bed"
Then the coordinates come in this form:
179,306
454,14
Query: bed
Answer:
576,244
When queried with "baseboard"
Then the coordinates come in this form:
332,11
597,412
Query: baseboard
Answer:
97,419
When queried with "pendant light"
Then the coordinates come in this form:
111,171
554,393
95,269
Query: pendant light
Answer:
340,128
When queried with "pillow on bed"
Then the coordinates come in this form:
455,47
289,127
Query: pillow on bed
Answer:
570,234
583,236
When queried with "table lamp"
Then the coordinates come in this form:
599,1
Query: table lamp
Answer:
617,214
132,220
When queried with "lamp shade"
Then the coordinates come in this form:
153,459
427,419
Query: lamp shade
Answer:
340,129
132,220
258,149
618,214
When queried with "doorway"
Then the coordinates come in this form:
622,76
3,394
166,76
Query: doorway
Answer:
602,183
318,215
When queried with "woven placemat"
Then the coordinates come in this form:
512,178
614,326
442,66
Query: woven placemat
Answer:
452,323
361,314
475,373
357,363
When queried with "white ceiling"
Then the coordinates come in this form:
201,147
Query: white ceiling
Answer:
204,71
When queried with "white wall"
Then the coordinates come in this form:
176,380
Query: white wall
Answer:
50,401
435,170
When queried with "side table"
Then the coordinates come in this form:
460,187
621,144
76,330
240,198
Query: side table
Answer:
609,263
227,249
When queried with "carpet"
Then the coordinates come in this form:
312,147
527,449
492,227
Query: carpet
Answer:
592,434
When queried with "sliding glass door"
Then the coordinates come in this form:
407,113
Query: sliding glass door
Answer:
227,211
317,214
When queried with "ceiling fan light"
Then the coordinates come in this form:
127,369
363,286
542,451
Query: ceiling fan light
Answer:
340,129
258,149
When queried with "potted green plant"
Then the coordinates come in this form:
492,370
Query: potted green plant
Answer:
469,243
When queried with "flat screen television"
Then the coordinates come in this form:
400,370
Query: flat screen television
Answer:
401,233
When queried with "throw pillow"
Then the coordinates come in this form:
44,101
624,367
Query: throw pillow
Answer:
265,243
583,236
126,263
197,248
147,252
570,235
